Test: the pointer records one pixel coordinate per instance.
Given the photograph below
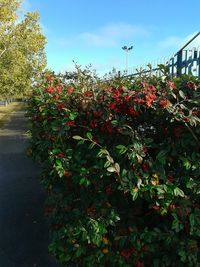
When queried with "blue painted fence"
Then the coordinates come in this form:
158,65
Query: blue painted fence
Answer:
185,61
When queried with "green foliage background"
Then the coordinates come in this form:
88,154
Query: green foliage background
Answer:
22,55
120,162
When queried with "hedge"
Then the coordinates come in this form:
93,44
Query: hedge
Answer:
120,163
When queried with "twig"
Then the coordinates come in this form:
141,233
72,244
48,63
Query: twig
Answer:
3,52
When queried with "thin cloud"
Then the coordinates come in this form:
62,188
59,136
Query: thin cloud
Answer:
107,36
177,42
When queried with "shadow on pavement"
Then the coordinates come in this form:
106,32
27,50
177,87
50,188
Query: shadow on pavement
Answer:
23,227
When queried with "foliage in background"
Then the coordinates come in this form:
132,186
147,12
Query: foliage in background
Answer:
22,56
120,163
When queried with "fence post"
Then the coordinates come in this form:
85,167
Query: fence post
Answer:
179,62
198,62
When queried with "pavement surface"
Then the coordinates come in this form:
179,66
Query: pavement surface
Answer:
23,227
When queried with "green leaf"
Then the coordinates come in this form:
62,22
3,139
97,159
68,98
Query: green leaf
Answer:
55,151
109,158
91,145
162,153
102,152
114,122
134,194
182,95
192,219
139,183
107,164
111,169
58,162
89,135
190,184
73,115
117,167
77,137
148,141
178,192
124,173
120,147
84,181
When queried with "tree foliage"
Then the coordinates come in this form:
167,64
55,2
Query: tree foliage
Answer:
22,54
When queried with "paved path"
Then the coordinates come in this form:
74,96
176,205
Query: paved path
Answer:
23,229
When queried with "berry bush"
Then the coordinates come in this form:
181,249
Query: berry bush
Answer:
120,166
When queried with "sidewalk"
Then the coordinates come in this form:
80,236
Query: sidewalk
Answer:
23,228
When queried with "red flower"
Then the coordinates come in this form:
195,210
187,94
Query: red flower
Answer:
150,92
97,114
139,264
164,103
138,100
186,119
56,97
145,149
50,90
191,85
132,168
133,112
196,112
61,155
116,94
87,94
120,130
90,210
107,128
171,85
60,106
70,90
67,173
112,106
149,99
70,123
59,88
93,124
127,98
145,166
155,207
127,253
108,190
170,178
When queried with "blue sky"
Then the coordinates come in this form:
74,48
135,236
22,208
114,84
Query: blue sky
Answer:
93,32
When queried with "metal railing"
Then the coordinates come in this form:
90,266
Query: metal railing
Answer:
185,61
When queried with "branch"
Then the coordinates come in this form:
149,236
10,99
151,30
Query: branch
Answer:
1,54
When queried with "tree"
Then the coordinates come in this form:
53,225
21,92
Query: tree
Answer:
22,55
